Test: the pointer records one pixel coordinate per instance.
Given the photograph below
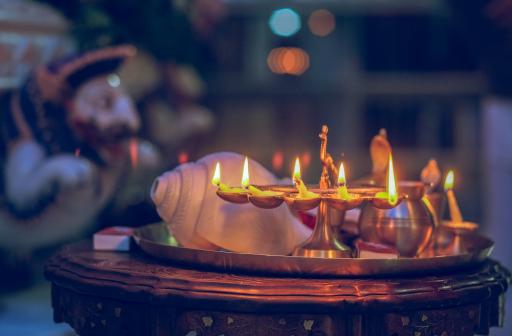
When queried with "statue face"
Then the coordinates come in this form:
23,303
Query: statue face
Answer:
103,115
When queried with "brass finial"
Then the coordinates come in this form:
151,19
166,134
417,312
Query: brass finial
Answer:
329,169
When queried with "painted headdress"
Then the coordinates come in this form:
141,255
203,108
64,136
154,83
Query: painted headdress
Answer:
36,109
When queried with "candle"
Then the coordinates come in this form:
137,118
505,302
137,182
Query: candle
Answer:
299,184
391,193
455,213
342,184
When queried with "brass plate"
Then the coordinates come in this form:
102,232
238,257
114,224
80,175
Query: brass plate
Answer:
155,241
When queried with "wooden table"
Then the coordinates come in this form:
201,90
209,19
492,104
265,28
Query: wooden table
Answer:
115,293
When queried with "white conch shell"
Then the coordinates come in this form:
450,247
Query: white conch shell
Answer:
198,218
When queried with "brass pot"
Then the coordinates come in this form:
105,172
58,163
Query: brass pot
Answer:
408,227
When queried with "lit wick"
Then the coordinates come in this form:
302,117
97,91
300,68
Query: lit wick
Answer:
342,184
299,184
246,184
455,213
216,179
390,193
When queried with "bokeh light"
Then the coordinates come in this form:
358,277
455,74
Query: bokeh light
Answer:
321,22
183,157
288,60
306,159
284,22
277,160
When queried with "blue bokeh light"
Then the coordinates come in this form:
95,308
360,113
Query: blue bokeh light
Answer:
284,22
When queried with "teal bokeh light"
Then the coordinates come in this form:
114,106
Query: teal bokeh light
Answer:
284,22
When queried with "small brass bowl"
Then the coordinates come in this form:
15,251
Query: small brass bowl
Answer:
383,204
365,191
233,197
343,204
266,202
302,204
412,189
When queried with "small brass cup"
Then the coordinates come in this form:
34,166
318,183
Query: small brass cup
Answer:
266,201
234,197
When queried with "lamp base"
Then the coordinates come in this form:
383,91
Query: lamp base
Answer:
310,251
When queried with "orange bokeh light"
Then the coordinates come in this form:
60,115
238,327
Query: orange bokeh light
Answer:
321,22
183,157
306,159
278,160
288,60
134,152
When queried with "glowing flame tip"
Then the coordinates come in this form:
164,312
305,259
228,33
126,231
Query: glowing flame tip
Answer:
216,175
296,169
341,175
245,174
392,193
449,181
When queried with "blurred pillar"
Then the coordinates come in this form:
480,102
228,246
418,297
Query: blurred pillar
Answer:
497,138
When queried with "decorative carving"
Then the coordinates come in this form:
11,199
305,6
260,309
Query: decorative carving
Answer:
140,296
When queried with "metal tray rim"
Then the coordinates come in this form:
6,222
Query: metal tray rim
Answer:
229,261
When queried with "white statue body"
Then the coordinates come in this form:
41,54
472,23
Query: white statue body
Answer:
72,188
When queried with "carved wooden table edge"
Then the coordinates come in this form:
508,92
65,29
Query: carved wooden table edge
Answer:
106,293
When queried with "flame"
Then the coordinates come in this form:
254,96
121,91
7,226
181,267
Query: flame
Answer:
134,152
245,174
296,169
449,180
341,175
392,193
216,175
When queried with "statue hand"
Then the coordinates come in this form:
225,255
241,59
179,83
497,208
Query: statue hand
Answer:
69,172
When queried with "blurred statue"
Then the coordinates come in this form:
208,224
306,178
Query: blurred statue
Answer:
68,133
379,152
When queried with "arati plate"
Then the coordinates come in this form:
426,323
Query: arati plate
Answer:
156,241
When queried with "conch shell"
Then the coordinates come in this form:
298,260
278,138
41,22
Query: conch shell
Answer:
198,218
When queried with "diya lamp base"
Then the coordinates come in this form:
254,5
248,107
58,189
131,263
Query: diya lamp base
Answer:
453,232
312,250
323,242
407,227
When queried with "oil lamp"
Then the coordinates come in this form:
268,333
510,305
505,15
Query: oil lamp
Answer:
303,191
407,224
456,226
342,191
231,194
216,178
388,198
453,206
323,242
